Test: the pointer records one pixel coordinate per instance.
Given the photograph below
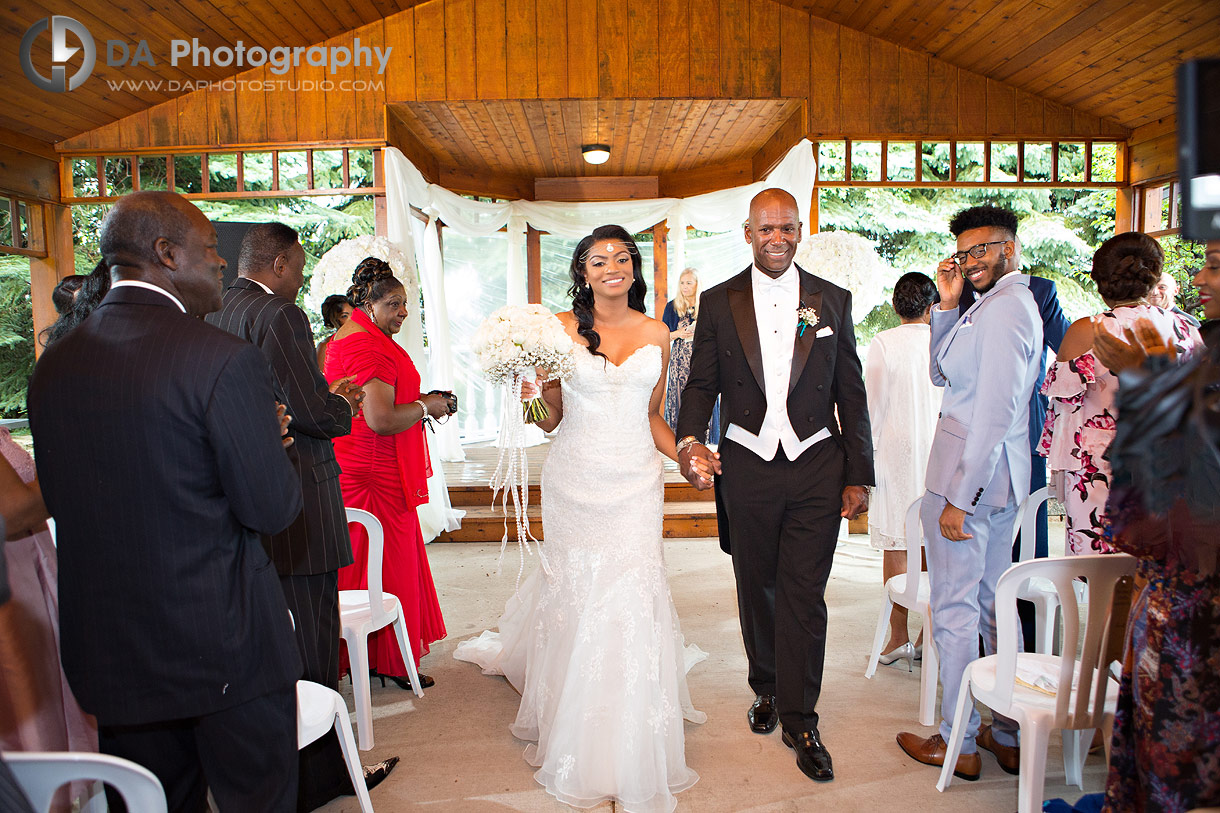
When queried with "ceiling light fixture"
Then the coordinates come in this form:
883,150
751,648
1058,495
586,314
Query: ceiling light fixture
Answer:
596,153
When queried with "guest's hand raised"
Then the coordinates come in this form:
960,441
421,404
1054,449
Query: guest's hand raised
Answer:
281,412
698,465
949,283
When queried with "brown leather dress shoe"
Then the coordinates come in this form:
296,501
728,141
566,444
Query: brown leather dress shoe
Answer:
1009,756
931,751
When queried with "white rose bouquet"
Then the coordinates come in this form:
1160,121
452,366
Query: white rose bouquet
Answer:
333,273
515,341
513,345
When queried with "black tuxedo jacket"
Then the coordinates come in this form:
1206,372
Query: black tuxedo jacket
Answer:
826,374
317,541
159,456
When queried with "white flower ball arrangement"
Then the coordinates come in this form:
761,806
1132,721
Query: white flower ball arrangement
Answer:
333,273
849,261
516,341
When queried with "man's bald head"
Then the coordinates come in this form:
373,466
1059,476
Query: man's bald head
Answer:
136,221
774,230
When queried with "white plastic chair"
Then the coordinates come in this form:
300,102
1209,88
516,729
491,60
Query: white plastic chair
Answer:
913,591
1085,693
42,773
1038,591
360,617
320,709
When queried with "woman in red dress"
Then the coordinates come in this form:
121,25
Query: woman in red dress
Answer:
385,461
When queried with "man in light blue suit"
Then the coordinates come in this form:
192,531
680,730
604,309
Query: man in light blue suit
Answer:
987,359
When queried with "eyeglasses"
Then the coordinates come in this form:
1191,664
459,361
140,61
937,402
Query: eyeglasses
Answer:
976,251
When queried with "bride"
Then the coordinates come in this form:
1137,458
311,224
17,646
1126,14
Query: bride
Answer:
593,643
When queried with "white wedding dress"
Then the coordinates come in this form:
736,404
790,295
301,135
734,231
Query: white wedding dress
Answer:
594,647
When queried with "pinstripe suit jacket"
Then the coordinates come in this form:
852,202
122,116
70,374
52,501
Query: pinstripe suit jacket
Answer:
317,541
159,456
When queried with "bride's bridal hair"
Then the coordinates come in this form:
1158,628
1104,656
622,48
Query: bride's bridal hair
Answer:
582,294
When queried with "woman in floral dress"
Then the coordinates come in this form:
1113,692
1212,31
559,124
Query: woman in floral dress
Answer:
1080,418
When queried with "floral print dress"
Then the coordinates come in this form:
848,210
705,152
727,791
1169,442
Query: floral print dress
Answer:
1080,423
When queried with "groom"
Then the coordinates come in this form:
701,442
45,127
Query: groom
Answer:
777,345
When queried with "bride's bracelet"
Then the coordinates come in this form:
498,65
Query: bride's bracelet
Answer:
689,440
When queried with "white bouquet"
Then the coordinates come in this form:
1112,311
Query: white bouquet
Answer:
850,261
333,273
513,345
515,341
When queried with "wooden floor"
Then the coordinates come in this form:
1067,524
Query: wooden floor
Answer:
688,513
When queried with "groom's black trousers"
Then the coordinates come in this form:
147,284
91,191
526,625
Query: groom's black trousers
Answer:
783,526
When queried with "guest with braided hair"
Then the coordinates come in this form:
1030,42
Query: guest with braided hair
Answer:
385,461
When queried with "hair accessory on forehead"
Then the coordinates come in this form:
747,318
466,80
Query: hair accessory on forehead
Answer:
611,248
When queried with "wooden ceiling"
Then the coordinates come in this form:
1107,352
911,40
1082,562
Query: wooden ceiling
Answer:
542,138
1110,58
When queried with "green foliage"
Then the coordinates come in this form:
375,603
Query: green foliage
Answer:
1183,259
16,335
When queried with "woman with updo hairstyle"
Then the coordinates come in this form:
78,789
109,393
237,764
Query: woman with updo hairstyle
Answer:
384,461
902,410
336,309
1081,391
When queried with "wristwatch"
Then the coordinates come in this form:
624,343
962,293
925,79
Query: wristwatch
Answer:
689,440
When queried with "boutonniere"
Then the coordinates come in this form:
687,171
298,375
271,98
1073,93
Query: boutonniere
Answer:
805,317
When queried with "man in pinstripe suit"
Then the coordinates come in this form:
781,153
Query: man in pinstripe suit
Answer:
159,455
260,307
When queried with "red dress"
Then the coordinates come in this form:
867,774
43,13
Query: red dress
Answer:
386,475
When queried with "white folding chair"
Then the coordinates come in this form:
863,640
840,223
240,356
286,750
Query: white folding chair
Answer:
1084,693
42,773
913,591
319,710
363,612
1038,591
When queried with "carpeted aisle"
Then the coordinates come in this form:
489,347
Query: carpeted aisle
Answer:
458,755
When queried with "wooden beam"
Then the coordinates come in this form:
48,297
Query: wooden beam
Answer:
606,187
660,268
400,136
776,147
706,179
26,175
533,266
46,273
24,143
470,182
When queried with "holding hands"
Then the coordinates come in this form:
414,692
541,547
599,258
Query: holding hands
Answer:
698,464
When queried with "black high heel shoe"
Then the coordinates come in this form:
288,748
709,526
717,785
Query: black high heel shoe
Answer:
403,683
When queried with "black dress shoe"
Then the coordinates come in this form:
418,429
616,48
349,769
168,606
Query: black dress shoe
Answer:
374,774
404,683
811,756
762,715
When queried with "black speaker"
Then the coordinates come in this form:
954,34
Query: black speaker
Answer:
1199,148
229,236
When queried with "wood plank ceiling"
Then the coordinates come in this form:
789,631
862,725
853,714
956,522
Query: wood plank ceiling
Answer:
1112,58
542,138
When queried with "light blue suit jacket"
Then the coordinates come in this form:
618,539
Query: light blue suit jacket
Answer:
987,360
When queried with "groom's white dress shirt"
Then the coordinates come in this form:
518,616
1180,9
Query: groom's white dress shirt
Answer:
775,305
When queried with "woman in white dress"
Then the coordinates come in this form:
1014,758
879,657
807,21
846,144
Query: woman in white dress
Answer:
902,407
593,643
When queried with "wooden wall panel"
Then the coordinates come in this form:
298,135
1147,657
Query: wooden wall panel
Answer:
552,33
370,101
942,97
734,48
673,46
222,116
914,82
490,51
613,56
643,45
252,107
29,176
1031,113
824,88
1001,108
971,103
854,84
884,87
399,32
311,103
793,53
522,49
582,50
459,36
341,97
704,49
193,118
764,56
430,51
163,124
133,130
